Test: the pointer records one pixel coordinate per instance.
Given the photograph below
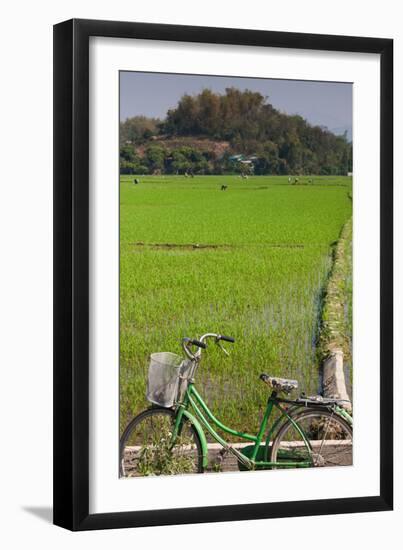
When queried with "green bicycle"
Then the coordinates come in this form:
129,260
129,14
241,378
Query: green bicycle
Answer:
169,437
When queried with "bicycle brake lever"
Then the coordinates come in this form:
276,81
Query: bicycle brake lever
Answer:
222,348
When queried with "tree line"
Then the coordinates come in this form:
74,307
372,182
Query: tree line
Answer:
276,142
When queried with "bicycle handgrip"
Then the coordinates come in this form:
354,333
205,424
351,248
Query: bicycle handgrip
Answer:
227,338
198,344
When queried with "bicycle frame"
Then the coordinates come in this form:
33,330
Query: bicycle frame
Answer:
204,418
207,419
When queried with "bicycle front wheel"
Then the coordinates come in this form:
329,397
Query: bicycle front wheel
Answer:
315,438
147,446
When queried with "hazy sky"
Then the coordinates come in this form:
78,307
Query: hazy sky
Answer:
322,103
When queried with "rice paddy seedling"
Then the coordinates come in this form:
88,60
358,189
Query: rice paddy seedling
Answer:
250,261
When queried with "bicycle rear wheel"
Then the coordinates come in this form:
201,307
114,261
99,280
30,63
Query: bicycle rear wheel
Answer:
328,441
147,447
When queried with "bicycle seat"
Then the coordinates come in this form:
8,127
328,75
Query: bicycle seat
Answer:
279,384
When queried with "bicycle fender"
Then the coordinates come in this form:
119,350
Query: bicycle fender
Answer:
342,412
201,435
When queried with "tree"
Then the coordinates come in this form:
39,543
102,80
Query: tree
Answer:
127,153
154,157
179,162
268,161
129,160
138,129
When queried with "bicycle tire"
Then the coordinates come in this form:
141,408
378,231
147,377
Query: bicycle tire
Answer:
148,453
330,440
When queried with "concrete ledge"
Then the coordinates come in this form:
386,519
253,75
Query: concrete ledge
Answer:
334,383
229,463
334,343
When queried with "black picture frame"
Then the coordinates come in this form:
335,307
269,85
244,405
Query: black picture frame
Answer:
71,274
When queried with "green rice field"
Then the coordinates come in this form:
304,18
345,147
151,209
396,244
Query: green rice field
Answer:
250,262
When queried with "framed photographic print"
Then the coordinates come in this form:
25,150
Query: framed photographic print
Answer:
223,274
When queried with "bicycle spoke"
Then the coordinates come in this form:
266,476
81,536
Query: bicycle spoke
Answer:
327,427
329,440
147,448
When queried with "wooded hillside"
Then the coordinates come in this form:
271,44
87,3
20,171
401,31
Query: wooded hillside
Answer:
239,131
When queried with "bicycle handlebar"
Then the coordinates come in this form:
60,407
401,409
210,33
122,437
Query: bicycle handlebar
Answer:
201,345
197,343
226,338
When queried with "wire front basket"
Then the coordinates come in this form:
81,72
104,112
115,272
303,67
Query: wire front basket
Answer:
166,374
